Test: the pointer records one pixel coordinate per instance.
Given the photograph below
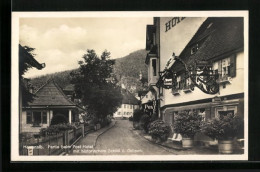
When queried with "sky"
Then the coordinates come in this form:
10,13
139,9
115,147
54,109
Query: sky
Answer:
61,42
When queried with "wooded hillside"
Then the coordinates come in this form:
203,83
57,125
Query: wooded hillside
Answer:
127,70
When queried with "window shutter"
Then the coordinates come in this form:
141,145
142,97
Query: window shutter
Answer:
233,66
219,68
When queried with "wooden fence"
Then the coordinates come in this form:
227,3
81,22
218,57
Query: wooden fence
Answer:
50,145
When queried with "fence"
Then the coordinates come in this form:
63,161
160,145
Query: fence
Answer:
50,145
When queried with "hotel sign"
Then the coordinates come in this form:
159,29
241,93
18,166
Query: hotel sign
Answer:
173,22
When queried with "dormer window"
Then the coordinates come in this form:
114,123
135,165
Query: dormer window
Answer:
194,49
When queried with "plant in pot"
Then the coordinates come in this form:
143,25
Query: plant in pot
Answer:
187,124
224,128
159,130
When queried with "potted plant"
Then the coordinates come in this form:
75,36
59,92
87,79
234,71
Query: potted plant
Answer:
159,130
224,128
187,124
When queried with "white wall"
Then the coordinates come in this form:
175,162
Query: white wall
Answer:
126,110
175,39
148,97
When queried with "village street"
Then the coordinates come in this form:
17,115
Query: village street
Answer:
122,140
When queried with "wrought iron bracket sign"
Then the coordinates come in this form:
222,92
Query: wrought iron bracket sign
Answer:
200,73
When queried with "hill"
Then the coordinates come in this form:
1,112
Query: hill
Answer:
132,64
127,70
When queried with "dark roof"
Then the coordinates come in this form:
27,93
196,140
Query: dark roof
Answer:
128,98
51,94
216,37
28,58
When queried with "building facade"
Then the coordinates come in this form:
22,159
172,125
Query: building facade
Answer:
129,104
218,43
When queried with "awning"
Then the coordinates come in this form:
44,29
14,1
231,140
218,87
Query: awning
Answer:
181,108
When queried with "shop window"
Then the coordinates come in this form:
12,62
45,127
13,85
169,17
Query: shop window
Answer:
44,117
154,66
28,117
225,110
202,113
225,113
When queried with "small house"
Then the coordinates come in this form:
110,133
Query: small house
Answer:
49,101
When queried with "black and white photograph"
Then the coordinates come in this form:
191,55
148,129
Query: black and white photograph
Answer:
129,86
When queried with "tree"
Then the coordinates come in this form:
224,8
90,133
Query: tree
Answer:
24,66
92,85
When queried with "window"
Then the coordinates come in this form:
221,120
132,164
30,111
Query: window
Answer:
225,113
194,49
224,110
225,67
44,117
36,117
28,117
118,113
154,66
124,106
178,82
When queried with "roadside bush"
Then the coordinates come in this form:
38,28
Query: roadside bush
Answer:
159,130
58,119
137,115
56,129
144,122
154,117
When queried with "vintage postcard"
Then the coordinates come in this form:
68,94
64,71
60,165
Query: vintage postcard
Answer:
129,86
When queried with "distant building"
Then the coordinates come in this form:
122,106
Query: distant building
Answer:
49,101
129,104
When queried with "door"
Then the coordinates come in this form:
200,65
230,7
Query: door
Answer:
37,118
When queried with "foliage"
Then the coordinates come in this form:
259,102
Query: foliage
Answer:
24,66
132,64
158,129
90,81
56,129
154,117
137,115
58,119
144,122
61,78
225,127
187,123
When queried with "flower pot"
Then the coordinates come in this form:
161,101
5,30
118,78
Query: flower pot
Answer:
225,146
187,142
